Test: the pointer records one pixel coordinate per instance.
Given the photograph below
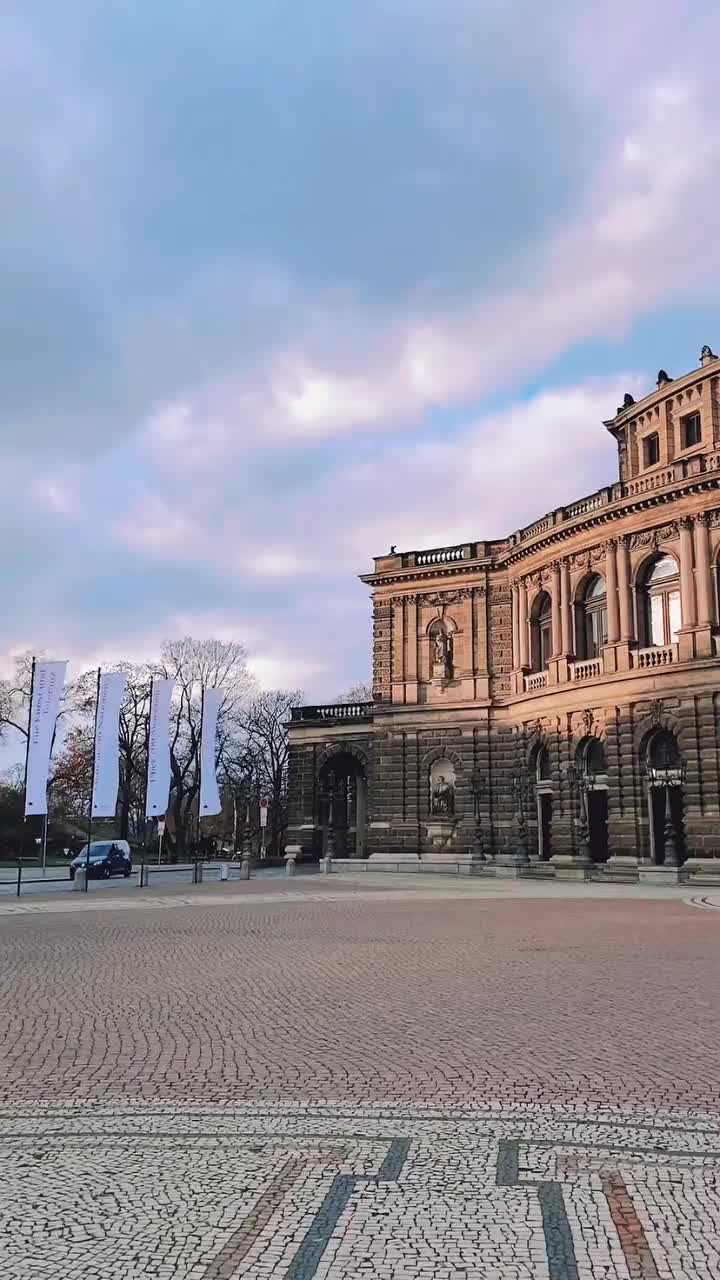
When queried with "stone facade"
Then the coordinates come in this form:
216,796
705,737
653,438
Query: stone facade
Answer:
551,697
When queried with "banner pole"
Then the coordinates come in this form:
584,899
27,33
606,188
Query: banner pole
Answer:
199,770
145,792
27,758
92,782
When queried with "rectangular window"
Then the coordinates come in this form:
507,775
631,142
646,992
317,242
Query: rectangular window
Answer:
675,616
690,430
652,450
657,622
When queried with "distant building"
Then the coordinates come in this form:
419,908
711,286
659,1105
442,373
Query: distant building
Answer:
551,697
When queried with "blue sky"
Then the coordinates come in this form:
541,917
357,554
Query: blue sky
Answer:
283,284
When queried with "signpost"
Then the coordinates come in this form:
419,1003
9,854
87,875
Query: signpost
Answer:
161,833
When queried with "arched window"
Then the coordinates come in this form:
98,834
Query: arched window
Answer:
541,631
659,611
663,750
542,765
591,619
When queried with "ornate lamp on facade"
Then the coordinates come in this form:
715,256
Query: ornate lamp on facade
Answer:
518,784
669,776
328,794
477,786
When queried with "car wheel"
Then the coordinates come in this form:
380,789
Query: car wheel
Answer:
126,872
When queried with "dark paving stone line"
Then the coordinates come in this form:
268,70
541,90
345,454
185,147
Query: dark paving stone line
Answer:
395,1158
562,1263
225,1263
621,1122
631,1234
306,1260
507,1167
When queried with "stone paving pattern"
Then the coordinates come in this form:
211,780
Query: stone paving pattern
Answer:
413,1083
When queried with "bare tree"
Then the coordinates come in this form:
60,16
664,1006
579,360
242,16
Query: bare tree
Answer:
196,665
266,738
359,692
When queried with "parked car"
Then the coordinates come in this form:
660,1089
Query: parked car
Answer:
107,858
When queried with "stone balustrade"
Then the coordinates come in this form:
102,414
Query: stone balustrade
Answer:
657,656
589,669
538,680
335,711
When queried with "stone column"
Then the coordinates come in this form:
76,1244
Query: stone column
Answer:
565,611
611,581
515,628
523,624
687,583
627,628
703,580
556,612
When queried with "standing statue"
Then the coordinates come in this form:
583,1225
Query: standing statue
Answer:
443,797
442,653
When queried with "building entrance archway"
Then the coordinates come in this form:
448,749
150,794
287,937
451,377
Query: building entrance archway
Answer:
591,766
342,807
665,770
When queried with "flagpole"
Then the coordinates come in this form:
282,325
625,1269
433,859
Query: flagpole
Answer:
27,753
92,782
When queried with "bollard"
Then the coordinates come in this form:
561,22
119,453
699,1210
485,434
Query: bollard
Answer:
223,870
197,873
79,881
144,878
326,864
289,864
245,869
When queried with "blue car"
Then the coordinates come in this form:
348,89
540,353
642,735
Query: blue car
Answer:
107,858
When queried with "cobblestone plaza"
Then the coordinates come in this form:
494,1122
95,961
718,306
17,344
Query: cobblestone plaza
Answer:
352,1077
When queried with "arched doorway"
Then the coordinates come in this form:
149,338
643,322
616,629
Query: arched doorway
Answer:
591,766
666,776
542,780
342,806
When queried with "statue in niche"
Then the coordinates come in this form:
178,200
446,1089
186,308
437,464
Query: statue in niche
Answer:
442,789
442,652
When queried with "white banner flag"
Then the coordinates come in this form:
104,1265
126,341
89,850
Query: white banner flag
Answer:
48,687
158,775
209,795
111,691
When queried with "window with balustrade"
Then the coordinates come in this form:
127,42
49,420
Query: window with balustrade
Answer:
541,631
591,628
659,613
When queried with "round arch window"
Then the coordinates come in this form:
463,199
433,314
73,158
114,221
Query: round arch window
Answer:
659,603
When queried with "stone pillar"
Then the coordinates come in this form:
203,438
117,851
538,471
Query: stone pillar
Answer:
515,628
556,612
687,583
703,580
611,582
565,610
523,625
627,628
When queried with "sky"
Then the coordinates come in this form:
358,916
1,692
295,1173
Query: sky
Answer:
282,284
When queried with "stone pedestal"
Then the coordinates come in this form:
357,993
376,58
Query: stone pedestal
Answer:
659,875
79,881
567,867
440,833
